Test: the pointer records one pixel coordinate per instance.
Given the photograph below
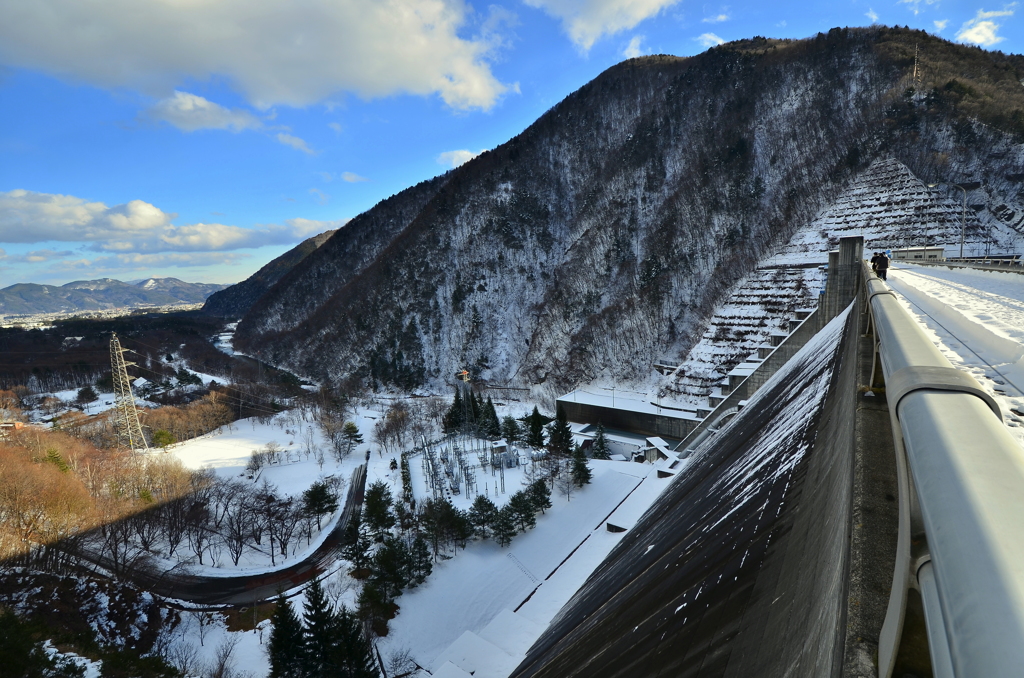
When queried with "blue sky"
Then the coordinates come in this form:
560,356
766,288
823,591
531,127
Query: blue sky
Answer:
202,138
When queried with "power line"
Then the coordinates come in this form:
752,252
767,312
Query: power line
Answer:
254,404
261,407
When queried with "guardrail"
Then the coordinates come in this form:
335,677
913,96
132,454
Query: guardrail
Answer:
1008,265
961,476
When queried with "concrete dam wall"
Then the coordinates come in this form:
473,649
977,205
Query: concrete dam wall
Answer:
740,568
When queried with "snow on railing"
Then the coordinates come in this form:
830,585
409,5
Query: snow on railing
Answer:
961,478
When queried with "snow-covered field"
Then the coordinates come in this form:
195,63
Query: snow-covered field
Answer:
976,318
482,608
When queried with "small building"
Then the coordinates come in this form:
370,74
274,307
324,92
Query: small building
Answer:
919,253
642,417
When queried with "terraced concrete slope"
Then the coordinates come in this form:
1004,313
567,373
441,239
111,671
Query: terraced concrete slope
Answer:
890,207
739,569
762,304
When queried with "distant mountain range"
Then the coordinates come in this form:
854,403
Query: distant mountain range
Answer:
102,294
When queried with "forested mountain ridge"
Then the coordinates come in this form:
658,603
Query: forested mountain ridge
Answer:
603,236
236,300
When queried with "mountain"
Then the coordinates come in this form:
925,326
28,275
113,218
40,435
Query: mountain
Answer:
236,300
602,237
96,295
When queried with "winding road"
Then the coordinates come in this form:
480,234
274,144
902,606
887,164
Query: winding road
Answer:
178,584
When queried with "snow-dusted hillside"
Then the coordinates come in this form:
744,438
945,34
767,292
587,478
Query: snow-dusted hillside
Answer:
602,238
892,208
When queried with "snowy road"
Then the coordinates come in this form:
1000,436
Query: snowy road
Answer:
976,318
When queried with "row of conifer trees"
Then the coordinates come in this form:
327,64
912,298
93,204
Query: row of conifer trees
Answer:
325,641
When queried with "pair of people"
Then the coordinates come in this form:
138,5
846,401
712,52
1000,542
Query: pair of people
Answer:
880,264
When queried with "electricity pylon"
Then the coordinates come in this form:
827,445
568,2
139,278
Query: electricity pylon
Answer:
126,417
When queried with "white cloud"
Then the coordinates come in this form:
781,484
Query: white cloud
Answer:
709,40
717,19
134,227
352,177
320,196
295,142
335,126
190,112
872,14
38,256
915,5
125,263
941,25
273,52
588,20
304,228
456,158
981,30
634,49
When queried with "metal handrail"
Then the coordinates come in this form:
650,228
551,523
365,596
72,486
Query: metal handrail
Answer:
965,491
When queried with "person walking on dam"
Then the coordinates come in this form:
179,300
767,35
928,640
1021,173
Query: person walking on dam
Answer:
882,265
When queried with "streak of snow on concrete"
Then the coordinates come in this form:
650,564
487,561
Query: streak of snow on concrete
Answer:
469,591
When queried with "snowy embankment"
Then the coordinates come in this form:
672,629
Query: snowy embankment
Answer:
976,318
485,607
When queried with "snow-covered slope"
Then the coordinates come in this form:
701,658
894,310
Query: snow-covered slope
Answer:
763,304
602,238
890,208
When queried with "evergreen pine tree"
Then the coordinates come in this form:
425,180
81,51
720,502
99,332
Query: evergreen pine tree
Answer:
319,500
535,435
286,647
353,655
321,631
453,418
510,430
462,528
491,423
540,495
560,435
391,566
373,607
377,508
351,436
600,449
482,514
422,562
522,509
504,527
357,544
581,473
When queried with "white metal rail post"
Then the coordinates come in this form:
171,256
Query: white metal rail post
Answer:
961,539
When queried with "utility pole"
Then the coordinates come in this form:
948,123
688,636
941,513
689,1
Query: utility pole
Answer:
915,65
126,417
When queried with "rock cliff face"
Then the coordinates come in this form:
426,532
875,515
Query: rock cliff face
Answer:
601,238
